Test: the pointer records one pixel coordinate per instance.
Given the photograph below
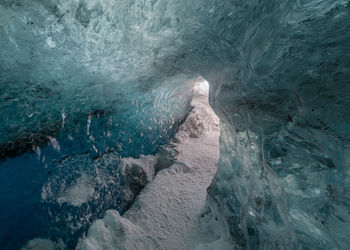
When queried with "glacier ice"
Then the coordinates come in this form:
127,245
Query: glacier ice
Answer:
86,83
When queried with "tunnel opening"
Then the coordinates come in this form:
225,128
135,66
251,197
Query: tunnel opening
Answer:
203,86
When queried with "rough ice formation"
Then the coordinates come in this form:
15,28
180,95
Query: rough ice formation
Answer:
278,73
282,96
77,96
44,244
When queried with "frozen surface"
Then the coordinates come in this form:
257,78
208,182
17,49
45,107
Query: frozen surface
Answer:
84,84
171,212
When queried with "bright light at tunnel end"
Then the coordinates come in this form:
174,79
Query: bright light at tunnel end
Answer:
202,86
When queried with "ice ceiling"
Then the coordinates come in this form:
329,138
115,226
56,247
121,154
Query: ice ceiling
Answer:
84,83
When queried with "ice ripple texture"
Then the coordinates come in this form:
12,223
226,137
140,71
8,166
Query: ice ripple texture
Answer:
279,81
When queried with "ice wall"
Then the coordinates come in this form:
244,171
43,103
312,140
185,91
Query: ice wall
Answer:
278,74
283,99
80,88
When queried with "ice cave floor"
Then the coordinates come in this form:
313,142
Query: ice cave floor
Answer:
171,211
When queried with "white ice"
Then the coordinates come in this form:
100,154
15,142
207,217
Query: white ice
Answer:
81,192
44,244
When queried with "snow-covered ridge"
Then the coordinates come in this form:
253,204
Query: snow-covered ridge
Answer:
171,211
136,173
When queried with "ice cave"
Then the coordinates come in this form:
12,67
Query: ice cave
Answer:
174,124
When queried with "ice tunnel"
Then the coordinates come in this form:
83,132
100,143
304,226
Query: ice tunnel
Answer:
86,84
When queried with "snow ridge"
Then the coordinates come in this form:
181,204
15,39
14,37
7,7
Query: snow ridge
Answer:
171,212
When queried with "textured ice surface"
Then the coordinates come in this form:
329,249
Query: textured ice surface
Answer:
44,244
279,75
283,98
80,90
